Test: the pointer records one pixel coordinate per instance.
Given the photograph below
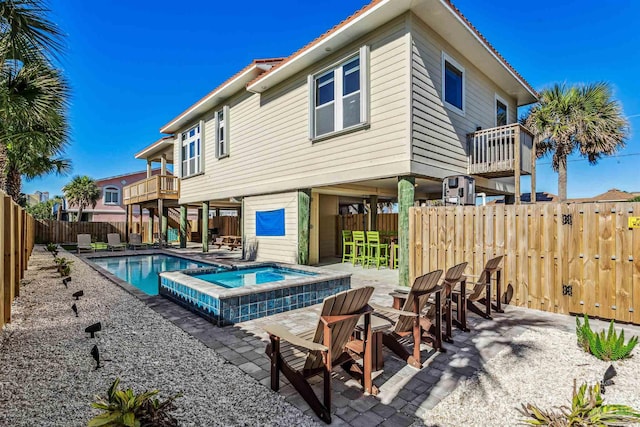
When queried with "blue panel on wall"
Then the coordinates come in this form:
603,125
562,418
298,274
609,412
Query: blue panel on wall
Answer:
270,223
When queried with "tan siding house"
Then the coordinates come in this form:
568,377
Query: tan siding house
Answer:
395,94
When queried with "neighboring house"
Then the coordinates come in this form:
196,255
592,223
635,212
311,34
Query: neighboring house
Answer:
110,206
380,108
541,197
613,195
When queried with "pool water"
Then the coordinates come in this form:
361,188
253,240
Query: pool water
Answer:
142,271
251,276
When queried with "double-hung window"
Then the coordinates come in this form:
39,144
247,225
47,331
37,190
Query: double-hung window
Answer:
191,149
338,96
502,111
453,84
222,132
111,196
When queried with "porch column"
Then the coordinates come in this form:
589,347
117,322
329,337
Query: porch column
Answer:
373,213
163,164
205,227
304,200
161,222
149,168
140,219
406,192
183,226
165,224
150,230
129,221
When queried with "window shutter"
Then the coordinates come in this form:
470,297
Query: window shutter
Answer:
311,106
202,144
364,84
227,129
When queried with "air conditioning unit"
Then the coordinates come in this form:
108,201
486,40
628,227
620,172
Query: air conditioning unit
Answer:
459,190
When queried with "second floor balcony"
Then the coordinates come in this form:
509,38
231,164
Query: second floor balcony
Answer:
165,187
497,152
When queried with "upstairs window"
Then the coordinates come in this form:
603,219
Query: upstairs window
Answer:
222,132
338,100
502,112
111,196
453,84
191,152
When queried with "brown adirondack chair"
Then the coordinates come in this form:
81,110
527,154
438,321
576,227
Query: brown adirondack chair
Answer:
481,291
409,323
300,356
452,277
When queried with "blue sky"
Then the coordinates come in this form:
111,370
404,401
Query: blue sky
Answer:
135,65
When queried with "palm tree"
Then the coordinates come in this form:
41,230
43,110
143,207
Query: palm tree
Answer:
33,95
82,192
583,118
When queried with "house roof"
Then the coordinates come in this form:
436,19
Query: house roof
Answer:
441,15
612,195
156,149
124,175
541,197
232,85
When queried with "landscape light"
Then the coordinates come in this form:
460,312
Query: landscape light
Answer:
78,294
92,329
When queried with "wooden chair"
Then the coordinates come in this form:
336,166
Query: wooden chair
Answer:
452,277
408,322
348,246
481,291
84,243
114,243
304,355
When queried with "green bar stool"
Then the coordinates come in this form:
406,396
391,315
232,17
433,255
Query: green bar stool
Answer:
394,255
360,248
348,246
376,250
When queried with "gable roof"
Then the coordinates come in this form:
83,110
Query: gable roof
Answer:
442,15
612,195
232,85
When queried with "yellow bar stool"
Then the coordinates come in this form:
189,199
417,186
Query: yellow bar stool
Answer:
360,245
348,246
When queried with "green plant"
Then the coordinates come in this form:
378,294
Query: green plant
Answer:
605,346
125,408
587,409
51,247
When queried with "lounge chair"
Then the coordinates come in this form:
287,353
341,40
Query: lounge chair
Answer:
481,291
300,356
409,323
135,241
114,243
84,243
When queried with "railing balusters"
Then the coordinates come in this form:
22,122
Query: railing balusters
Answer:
493,150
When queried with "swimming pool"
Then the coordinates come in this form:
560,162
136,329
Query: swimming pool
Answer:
251,276
142,271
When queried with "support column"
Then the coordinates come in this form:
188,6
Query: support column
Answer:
205,227
149,168
533,169
183,226
165,224
518,165
373,213
163,164
150,232
140,219
406,193
304,200
161,237
129,221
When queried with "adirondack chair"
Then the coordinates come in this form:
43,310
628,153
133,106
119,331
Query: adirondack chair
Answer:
481,291
452,277
114,243
408,321
84,243
317,351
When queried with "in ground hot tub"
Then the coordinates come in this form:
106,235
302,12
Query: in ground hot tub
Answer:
247,293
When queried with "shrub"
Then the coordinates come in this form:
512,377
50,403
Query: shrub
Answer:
587,409
51,247
607,346
125,408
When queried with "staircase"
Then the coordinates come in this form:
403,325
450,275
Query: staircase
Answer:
173,221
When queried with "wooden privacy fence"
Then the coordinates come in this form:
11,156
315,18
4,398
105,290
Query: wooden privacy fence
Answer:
386,223
52,231
16,244
564,258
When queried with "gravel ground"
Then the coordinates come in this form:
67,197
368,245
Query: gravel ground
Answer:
47,375
539,369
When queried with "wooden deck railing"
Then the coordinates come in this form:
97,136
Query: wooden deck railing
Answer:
493,152
156,187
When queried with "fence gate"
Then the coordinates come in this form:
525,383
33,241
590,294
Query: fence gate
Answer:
564,258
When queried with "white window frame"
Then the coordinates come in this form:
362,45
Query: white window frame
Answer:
111,189
222,147
184,142
495,108
363,55
447,58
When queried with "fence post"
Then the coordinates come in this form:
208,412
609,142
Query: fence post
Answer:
9,263
406,192
16,253
5,221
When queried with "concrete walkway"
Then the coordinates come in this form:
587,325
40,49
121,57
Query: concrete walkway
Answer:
406,394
